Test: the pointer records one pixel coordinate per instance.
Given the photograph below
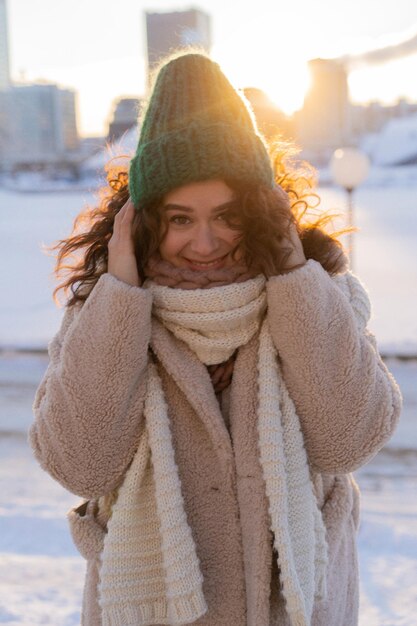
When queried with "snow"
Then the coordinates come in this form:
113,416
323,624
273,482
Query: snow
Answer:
388,550
396,143
41,572
385,259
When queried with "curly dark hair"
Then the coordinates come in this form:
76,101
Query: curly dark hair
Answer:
261,212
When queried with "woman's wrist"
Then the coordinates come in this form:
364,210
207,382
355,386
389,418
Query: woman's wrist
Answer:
130,278
288,270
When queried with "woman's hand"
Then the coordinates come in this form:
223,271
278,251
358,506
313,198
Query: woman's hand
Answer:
287,252
297,257
122,260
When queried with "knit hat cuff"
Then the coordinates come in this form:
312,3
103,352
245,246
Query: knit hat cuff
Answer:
197,153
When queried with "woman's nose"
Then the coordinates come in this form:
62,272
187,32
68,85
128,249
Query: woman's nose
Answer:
204,241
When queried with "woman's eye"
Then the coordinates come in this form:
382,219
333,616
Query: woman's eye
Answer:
179,219
228,217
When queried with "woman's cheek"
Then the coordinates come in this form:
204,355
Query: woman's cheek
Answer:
172,244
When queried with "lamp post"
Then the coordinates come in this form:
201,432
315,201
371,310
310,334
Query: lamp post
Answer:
349,168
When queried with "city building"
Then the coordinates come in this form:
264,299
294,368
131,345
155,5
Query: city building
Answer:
166,32
124,115
4,48
323,124
41,126
373,116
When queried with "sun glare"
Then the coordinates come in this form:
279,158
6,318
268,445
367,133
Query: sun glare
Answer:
385,82
287,92
285,86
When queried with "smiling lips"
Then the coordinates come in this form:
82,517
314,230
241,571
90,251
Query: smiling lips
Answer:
200,265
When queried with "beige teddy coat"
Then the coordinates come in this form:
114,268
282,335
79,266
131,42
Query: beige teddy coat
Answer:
88,422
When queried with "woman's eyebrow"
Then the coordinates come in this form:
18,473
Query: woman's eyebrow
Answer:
181,207
176,207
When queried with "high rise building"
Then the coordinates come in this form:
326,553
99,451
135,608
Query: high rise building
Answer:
324,122
166,32
4,48
41,126
123,117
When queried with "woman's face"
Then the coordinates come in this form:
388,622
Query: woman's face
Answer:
198,236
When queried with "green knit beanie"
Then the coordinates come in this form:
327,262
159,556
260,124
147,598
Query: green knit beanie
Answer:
196,127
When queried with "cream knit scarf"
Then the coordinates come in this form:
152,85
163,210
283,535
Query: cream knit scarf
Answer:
150,572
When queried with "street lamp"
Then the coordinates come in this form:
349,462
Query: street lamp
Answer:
349,168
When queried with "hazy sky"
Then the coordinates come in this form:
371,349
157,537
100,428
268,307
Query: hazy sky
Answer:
98,46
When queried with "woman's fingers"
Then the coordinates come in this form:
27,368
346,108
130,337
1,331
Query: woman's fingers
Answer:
124,217
122,227
122,259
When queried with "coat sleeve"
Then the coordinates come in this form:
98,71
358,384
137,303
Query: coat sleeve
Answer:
88,406
347,400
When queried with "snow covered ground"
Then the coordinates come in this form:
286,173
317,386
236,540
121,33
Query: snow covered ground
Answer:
41,573
40,570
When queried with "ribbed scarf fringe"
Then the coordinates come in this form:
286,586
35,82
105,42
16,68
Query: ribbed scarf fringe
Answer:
296,521
151,485
150,572
179,611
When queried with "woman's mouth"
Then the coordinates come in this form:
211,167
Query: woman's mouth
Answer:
207,265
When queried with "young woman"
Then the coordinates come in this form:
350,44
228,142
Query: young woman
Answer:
213,383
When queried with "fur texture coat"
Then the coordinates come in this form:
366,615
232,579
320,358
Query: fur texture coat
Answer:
88,423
